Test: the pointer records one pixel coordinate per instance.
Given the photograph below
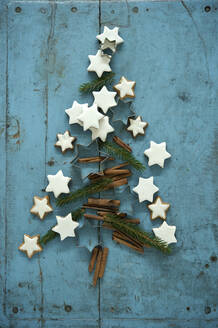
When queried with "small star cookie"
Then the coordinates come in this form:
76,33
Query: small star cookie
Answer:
99,63
125,88
158,209
145,189
137,126
30,245
104,99
65,226
41,206
157,153
90,117
166,233
103,130
65,141
58,184
75,111
111,35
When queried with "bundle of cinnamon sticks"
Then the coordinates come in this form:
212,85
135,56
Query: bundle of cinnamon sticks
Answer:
98,260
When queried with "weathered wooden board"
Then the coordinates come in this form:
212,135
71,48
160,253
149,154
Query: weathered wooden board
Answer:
171,51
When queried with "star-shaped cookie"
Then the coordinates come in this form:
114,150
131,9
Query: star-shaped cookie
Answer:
137,126
65,141
125,88
103,130
99,63
166,233
75,111
90,117
145,189
30,245
41,206
159,209
65,226
157,153
58,184
111,35
104,99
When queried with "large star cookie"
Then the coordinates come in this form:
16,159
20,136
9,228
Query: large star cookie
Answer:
145,189
65,226
157,153
58,184
99,63
125,88
166,233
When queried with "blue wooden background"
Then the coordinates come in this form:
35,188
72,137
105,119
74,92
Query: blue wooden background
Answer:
171,51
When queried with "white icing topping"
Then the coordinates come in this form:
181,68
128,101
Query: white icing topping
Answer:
137,126
145,189
157,153
65,226
30,245
166,233
75,111
125,88
58,183
158,209
99,63
103,130
41,206
104,99
90,117
111,35
65,141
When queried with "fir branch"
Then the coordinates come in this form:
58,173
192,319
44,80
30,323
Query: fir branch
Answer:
136,233
91,188
123,154
50,235
97,84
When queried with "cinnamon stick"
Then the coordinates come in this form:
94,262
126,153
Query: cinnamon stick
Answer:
126,237
122,144
97,267
121,241
105,209
104,202
94,159
111,171
117,183
103,262
93,217
93,259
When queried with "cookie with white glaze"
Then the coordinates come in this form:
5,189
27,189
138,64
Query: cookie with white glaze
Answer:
137,126
65,141
158,209
125,88
99,63
157,153
58,184
41,207
30,245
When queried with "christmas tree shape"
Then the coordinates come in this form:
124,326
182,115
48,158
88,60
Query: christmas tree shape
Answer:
105,147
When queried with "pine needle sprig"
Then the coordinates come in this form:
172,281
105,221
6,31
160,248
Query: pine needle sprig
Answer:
50,235
123,154
91,188
97,84
136,233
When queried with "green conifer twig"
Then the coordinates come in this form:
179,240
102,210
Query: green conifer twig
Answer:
123,154
97,84
50,235
136,233
89,189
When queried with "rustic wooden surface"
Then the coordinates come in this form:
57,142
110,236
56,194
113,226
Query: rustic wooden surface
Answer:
170,50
